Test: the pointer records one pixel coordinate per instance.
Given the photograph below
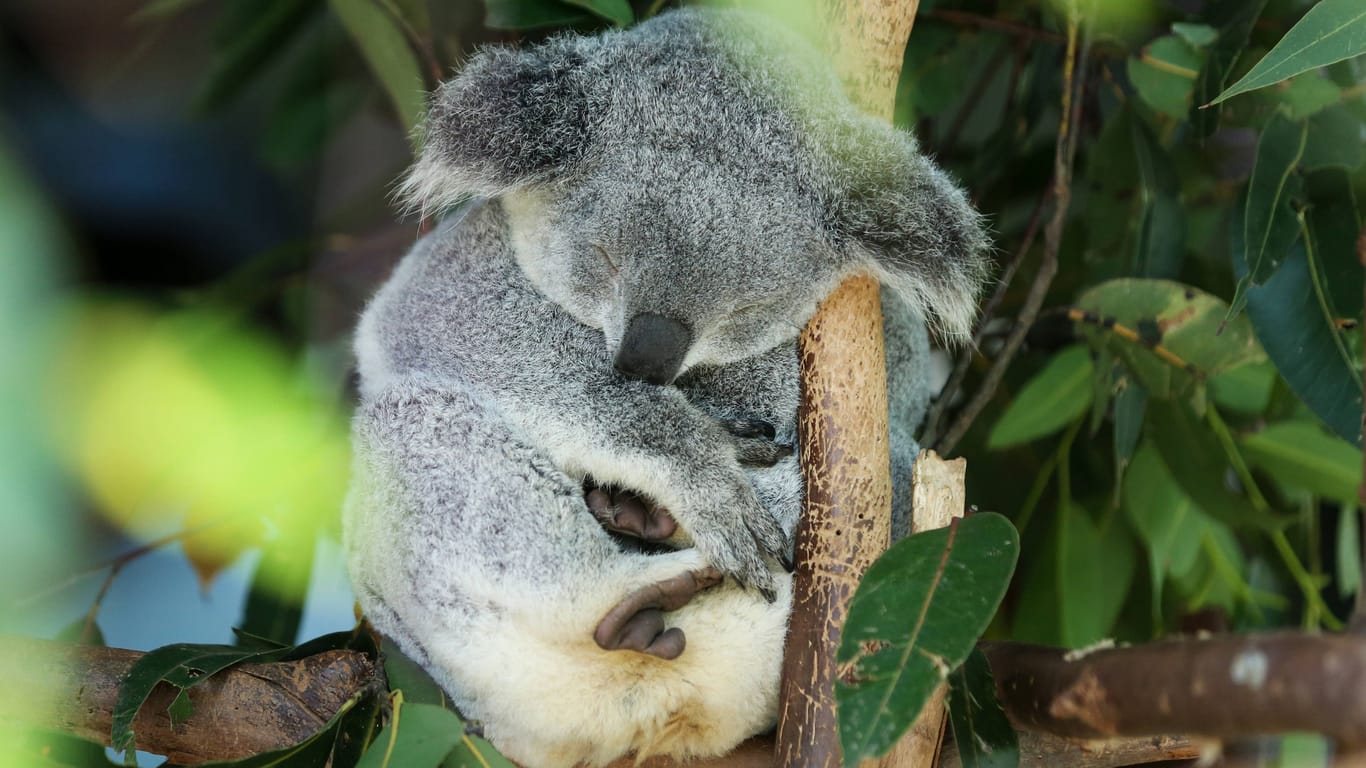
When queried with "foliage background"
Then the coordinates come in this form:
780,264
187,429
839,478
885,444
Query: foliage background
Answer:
196,206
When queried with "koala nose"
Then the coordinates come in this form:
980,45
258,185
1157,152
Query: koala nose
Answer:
653,348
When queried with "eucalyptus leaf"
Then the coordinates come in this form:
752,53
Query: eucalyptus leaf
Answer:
1164,74
1130,405
1331,31
250,50
389,55
1307,94
1095,568
1054,398
1234,19
1300,454
532,14
1162,226
616,11
1165,518
417,735
1349,552
1270,225
915,617
1334,141
1334,223
981,730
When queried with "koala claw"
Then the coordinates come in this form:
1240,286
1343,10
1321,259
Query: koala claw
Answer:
750,428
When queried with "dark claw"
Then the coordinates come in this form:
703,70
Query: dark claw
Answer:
768,594
789,563
750,428
474,728
760,453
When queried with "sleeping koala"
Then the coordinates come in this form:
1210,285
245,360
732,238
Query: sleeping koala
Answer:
659,211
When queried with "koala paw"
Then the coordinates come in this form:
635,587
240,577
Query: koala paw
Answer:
754,442
623,511
744,554
637,622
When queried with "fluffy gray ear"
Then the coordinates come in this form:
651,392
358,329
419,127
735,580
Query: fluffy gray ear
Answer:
909,223
510,118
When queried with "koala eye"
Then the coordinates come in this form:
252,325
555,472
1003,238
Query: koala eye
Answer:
612,265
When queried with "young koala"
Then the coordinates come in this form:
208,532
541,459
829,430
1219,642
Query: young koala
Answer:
660,210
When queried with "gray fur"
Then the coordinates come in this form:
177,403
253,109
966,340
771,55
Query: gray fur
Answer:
679,168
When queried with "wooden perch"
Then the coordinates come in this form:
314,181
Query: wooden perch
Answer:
245,710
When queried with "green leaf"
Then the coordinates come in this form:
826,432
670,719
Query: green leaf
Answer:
1305,750
389,55
1055,397
1234,19
915,617
1334,141
1095,568
183,665
1164,74
616,11
1130,405
1331,31
407,676
984,736
1349,550
247,51
1299,454
1184,320
1246,389
1307,94
1165,518
1334,224
275,599
418,735
1199,464
1270,224
1198,35
531,14
1290,317
160,9
1162,227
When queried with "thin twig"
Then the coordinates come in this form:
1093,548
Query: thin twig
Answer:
1074,79
963,19
1358,619
934,422
971,103
423,48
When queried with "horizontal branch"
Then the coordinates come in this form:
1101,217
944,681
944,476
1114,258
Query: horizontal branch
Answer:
1226,687
245,710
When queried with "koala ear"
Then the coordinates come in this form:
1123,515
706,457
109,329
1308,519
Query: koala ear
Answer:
906,221
510,118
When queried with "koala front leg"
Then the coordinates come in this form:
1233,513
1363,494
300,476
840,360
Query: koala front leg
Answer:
653,441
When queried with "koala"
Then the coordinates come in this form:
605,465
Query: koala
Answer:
653,214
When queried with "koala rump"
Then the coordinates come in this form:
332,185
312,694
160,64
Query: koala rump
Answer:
654,214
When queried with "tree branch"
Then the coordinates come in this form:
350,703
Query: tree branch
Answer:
242,711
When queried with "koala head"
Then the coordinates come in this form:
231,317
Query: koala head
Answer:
694,186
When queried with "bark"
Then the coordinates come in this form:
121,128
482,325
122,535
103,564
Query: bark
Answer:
1221,687
245,710
846,523
1042,750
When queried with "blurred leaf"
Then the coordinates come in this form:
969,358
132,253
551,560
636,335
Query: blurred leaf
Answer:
1198,35
1164,74
1184,320
1037,617
1096,567
984,736
915,617
1349,552
1105,376
1334,223
1270,224
1234,20
1130,405
531,14
1292,325
1331,31
1245,389
1299,454
417,735
1199,464
1162,227
389,55
183,665
1055,397
616,11
1306,94
1305,750
44,749
1165,518
1334,141
160,9
248,51
275,600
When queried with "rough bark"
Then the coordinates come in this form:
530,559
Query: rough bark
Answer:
1221,687
1042,750
843,423
242,711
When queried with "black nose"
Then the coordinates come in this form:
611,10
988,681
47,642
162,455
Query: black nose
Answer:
653,348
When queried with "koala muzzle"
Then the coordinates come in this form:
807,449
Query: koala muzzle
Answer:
653,348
